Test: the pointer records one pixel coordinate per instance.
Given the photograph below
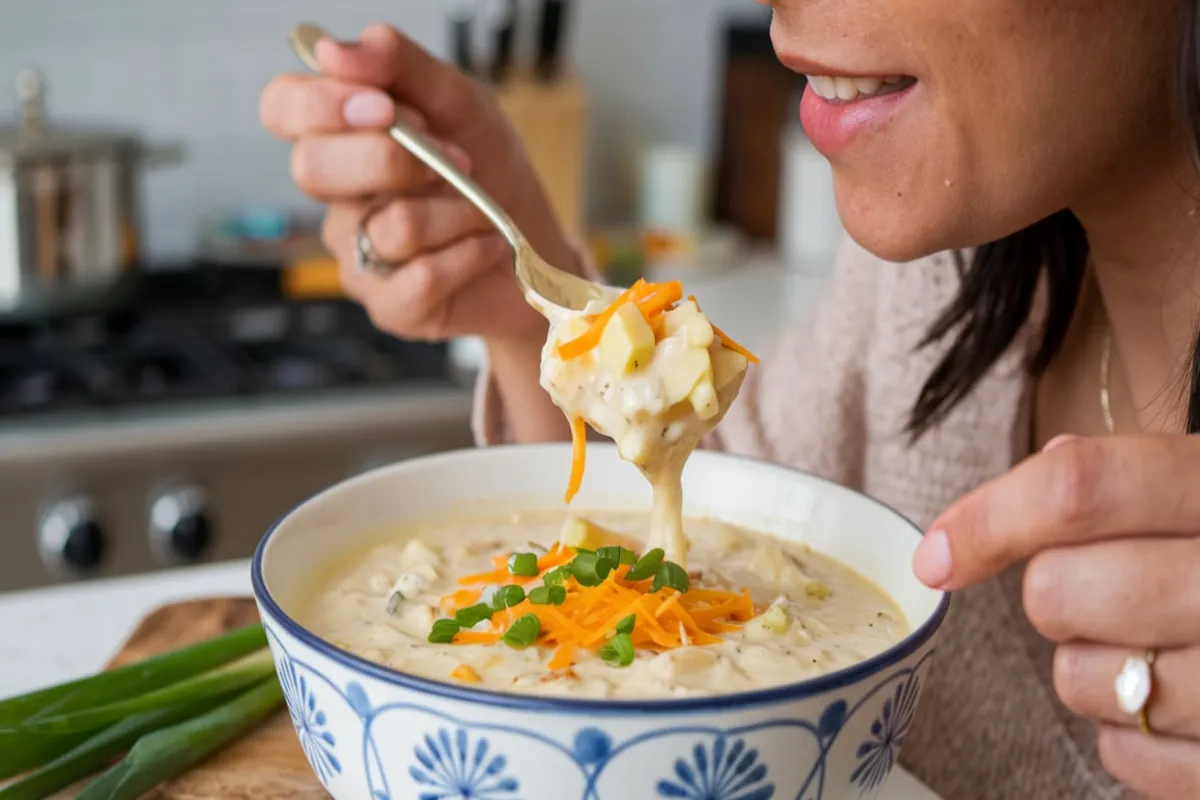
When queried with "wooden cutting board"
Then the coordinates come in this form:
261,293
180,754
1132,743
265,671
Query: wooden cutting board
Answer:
266,765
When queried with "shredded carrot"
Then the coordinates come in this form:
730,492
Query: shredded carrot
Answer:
587,616
578,456
663,296
586,341
476,637
460,599
465,674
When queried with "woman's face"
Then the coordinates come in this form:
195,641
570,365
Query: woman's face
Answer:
981,116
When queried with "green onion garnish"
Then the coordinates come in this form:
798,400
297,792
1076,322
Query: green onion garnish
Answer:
618,651
620,555
522,632
523,565
626,625
591,570
444,631
507,597
670,575
556,576
548,596
646,566
471,616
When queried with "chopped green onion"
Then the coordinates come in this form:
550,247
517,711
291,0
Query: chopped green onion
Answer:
444,631
620,555
245,671
556,576
670,575
169,752
471,616
618,651
522,632
626,625
523,565
393,603
548,596
646,566
591,570
507,597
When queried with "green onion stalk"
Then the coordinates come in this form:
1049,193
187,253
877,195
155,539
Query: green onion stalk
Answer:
166,713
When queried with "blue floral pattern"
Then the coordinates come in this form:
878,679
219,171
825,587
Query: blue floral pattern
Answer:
452,768
458,759
728,773
877,755
309,721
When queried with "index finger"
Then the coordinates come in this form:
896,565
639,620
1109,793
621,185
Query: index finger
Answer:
292,106
1082,491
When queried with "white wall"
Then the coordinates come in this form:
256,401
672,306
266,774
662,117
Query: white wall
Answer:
191,71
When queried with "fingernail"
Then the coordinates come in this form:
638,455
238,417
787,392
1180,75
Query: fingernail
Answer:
1062,438
931,562
369,109
457,156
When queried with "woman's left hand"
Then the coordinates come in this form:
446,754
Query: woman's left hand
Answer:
1110,527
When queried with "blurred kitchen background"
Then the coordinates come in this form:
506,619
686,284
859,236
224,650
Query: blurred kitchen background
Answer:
177,368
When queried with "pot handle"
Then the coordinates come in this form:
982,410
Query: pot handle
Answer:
162,155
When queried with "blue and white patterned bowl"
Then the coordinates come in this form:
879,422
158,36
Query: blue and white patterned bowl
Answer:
370,732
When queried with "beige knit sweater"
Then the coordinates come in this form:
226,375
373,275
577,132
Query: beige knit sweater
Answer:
833,397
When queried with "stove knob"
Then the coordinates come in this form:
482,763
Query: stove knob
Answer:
70,536
181,528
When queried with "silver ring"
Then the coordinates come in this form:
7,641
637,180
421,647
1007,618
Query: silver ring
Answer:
1134,686
364,252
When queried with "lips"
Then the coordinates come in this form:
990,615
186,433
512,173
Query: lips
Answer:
835,124
848,90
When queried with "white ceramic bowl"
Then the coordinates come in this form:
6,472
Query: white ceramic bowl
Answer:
370,732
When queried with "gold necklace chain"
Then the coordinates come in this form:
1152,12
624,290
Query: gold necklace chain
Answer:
1105,402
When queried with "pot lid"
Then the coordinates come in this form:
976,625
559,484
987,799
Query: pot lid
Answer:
33,140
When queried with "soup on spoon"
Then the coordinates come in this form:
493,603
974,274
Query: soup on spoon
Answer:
653,374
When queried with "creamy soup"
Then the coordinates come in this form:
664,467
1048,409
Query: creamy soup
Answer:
441,601
654,375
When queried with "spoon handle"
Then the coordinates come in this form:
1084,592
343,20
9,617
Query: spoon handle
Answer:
304,40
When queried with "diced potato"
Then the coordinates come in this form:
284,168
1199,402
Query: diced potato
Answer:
571,329
776,619
578,532
627,343
633,446
682,370
817,590
686,320
417,553
704,399
726,366
767,625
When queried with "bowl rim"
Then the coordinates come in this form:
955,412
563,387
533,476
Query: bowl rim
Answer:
561,704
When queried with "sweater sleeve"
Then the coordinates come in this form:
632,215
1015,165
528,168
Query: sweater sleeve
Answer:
804,404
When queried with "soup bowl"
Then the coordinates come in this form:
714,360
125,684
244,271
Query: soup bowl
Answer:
371,732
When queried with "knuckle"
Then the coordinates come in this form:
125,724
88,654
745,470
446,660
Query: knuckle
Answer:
1074,481
1068,678
1043,595
305,167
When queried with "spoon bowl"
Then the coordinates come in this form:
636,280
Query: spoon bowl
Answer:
553,292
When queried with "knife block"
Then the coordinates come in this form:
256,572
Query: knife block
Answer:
552,120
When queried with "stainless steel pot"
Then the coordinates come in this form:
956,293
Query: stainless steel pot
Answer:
69,206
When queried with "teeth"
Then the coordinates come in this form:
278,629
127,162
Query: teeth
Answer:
847,89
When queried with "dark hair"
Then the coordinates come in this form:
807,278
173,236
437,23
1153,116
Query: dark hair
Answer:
1002,277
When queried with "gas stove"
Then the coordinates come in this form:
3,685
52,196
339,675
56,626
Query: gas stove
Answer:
175,425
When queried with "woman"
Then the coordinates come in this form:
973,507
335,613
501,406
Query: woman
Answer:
1049,137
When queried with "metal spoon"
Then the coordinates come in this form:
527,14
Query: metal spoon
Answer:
547,288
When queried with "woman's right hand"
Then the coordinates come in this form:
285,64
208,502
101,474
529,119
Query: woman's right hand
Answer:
456,274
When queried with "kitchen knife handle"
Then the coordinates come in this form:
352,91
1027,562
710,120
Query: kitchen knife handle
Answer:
550,36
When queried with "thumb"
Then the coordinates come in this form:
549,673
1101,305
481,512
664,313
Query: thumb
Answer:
388,60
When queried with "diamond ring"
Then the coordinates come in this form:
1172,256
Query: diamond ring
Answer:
1134,685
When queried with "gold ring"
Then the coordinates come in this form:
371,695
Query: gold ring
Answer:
1134,687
